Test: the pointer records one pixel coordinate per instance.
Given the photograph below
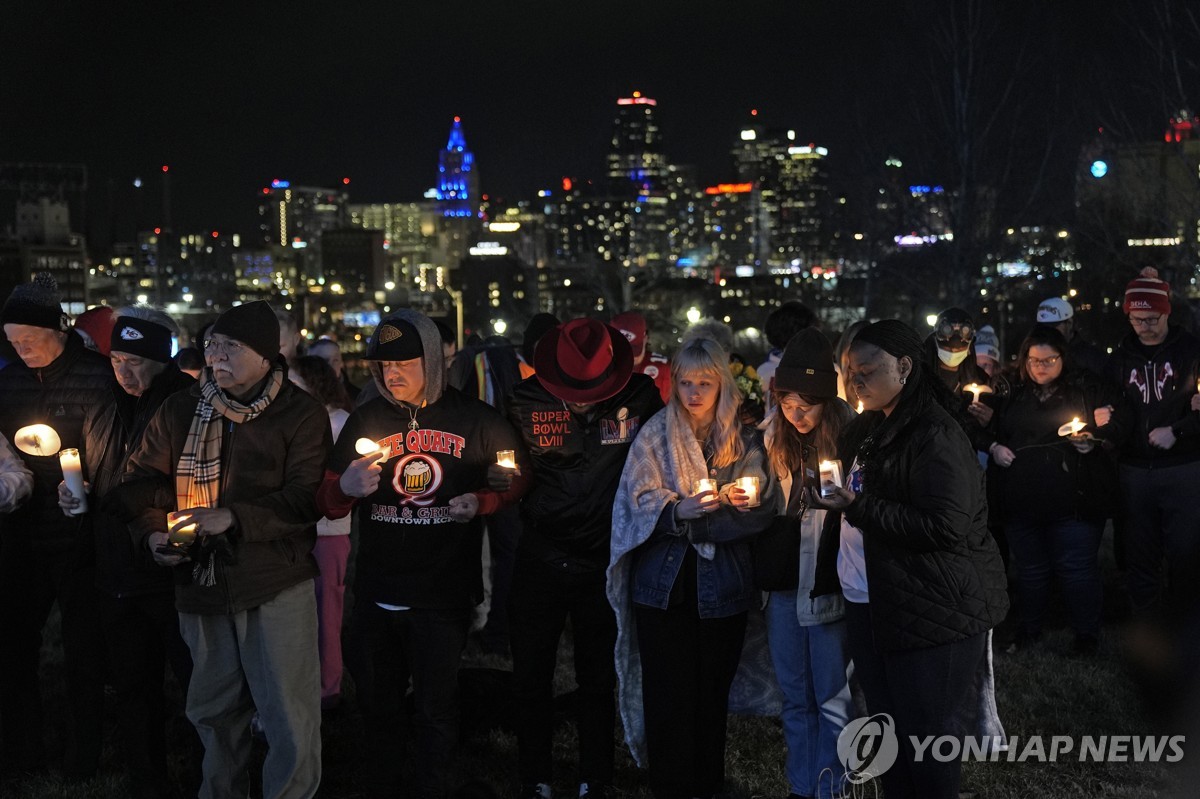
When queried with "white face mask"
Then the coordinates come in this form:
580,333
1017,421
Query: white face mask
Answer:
952,359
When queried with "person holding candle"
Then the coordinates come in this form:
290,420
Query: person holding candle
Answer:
1052,492
806,624
578,416
47,557
241,453
922,578
419,569
1155,369
680,576
332,550
141,626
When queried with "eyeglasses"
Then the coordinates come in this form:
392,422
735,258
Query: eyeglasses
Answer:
948,330
1053,359
228,346
1145,321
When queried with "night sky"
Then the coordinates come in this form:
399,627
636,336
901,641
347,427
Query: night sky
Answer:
232,95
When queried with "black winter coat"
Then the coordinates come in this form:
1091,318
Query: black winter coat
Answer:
60,395
124,565
933,570
1049,478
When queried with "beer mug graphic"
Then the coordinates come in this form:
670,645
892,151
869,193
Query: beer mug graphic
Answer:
417,478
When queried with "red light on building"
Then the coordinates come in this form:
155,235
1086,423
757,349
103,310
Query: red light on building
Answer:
215,234
637,99
345,181
567,184
458,119
166,168
266,190
753,112
730,188
157,230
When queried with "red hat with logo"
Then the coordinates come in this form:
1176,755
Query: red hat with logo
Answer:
583,360
633,326
1147,292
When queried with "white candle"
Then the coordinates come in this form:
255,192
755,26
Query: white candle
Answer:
831,477
749,484
184,535
507,458
704,485
73,476
860,406
37,439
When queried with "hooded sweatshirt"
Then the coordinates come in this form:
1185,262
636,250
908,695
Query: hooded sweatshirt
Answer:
411,552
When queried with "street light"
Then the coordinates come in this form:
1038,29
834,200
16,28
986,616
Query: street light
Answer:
693,315
499,326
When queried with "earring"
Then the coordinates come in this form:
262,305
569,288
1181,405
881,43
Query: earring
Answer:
903,380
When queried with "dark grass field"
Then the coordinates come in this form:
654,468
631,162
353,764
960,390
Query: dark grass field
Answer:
1042,691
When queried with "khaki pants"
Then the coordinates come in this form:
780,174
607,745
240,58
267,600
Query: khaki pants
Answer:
265,659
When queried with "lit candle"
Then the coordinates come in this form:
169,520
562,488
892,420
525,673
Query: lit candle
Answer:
831,477
860,406
1072,427
183,536
976,389
704,485
507,458
73,476
37,439
749,484
367,446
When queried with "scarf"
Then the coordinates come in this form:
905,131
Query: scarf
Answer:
198,473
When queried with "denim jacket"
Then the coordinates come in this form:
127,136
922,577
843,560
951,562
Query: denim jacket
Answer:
725,584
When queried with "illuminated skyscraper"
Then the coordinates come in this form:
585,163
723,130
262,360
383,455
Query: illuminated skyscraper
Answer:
458,182
635,159
295,217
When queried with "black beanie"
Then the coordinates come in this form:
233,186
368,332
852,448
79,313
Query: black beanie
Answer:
893,337
806,366
142,338
37,304
253,324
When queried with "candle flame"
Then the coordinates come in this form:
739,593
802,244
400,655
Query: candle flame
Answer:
860,406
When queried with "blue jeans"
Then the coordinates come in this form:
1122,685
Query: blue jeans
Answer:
1043,548
810,665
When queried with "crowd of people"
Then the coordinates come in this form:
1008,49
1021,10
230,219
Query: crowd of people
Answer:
844,518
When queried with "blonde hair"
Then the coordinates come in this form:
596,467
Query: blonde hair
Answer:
703,356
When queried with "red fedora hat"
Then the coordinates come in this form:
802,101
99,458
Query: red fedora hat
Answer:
583,360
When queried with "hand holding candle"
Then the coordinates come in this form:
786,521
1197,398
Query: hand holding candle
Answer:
506,458
976,389
704,500
1074,428
181,530
749,486
73,476
367,446
831,477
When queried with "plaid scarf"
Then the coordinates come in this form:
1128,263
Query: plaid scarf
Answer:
198,474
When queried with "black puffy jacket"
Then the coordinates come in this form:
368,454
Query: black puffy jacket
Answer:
124,566
933,570
61,395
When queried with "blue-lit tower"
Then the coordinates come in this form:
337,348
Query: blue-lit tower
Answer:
458,183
